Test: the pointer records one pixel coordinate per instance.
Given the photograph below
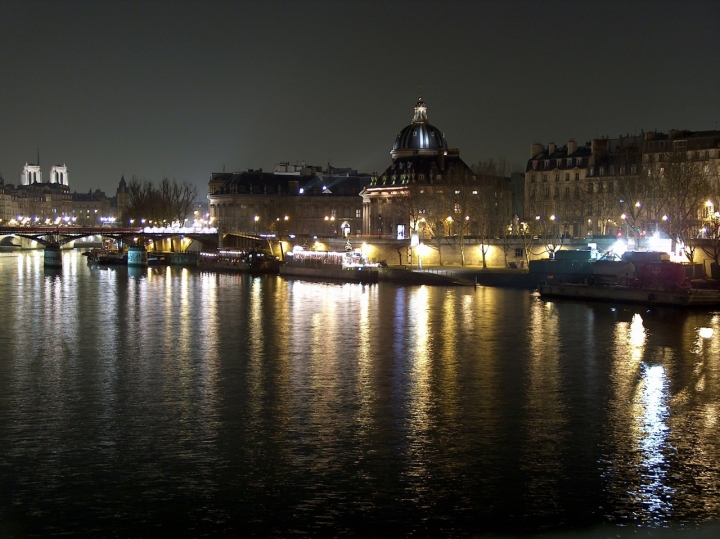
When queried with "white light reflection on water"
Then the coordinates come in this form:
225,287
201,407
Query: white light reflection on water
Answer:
639,414
652,412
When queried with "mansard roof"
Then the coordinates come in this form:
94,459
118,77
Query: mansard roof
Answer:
257,182
422,169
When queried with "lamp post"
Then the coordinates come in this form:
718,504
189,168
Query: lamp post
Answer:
710,214
627,238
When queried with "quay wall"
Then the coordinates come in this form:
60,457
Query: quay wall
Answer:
398,252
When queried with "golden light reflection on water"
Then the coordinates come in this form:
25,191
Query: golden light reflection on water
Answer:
420,355
329,395
545,411
330,363
255,349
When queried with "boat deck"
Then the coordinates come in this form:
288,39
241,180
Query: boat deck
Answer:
642,296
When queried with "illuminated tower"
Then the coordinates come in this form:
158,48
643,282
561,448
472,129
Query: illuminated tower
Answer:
59,175
30,174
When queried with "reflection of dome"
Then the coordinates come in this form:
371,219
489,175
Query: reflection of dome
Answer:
419,138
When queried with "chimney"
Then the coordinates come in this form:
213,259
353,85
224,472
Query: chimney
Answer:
572,146
598,149
536,149
551,148
293,187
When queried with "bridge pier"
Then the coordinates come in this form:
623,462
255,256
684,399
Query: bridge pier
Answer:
53,256
137,256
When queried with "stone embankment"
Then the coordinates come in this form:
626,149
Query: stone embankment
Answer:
459,276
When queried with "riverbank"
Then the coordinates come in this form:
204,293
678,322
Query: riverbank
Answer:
460,276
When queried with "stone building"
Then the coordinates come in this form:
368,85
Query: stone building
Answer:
426,174
595,189
52,202
294,200
30,174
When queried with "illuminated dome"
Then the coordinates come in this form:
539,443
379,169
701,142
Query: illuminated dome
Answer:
419,138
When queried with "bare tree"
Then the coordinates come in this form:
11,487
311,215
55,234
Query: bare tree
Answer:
168,203
407,205
490,206
688,187
711,214
437,208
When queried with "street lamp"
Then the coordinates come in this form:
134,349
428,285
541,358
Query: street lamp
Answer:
624,218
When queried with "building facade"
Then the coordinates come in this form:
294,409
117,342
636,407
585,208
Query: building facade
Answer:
430,190
293,200
51,202
620,186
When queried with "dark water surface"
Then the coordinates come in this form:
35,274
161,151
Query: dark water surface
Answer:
179,403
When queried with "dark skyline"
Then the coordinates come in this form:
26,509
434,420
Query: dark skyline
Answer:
183,89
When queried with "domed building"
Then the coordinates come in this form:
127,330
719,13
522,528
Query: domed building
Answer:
420,157
419,138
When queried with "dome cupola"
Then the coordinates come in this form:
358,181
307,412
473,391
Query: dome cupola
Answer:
419,138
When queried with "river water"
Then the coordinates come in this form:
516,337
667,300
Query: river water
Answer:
171,402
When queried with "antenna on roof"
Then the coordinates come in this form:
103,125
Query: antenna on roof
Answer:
38,159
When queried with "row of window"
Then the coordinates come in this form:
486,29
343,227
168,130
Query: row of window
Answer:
697,155
559,163
591,188
622,170
557,177
302,211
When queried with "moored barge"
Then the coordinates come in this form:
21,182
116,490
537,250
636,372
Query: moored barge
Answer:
349,265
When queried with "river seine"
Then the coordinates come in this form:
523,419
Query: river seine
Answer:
170,402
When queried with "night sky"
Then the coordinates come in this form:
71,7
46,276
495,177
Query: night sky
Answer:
183,89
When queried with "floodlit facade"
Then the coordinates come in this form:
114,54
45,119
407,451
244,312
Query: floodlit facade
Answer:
52,202
426,178
58,175
622,186
30,174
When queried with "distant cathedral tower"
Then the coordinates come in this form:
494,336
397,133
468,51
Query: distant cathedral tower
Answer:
122,194
30,174
59,175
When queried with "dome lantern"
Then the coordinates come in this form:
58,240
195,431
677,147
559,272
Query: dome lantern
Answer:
420,112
